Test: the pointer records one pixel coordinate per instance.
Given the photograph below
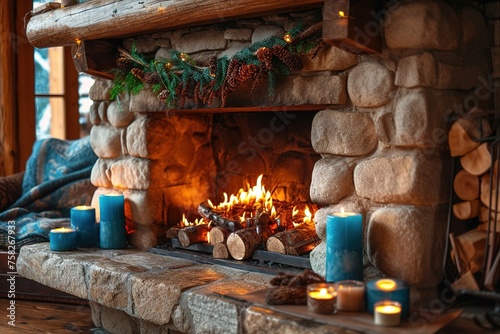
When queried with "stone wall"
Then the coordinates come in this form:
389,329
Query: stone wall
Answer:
382,138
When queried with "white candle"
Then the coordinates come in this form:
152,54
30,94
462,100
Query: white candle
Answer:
387,313
350,295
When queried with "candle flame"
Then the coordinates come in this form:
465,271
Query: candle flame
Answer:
386,284
342,211
388,309
323,292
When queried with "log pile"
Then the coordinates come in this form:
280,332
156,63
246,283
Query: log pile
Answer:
475,187
237,238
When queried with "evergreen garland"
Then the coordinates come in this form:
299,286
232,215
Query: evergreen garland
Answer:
179,77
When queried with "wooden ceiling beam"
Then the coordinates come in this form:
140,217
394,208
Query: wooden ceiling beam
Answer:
105,19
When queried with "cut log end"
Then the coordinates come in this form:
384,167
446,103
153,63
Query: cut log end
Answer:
275,245
220,251
237,247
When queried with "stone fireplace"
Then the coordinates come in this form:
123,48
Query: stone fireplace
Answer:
364,132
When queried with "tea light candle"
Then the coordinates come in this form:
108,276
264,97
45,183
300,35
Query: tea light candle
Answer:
62,239
321,298
112,231
344,246
83,221
388,289
350,295
387,313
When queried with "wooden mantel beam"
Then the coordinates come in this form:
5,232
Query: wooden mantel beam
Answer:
106,19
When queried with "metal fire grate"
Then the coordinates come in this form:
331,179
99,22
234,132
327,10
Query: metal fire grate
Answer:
262,261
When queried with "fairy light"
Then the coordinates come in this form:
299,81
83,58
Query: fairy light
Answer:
168,66
183,56
288,38
341,13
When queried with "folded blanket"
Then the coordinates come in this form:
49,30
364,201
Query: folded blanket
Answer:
57,178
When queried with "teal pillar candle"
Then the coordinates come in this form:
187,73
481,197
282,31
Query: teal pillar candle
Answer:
112,230
62,239
388,289
83,221
344,247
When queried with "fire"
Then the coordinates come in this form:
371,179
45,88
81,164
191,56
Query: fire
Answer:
184,222
299,217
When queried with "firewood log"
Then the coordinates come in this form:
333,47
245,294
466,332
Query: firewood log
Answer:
242,243
218,235
477,161
466,185
467,209
173,232
193,234
220,251
472,246
493,218
465,134
485,193
295,241
217,220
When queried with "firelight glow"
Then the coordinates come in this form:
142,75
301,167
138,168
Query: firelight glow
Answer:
386,284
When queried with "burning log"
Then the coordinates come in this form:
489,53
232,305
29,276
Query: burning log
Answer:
242,243
218,235
220,251
193,234
217,219
296,241
173,232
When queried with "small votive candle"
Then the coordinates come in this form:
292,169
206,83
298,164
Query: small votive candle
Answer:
388,289
321,298
83,221
387,313
350,295
62,239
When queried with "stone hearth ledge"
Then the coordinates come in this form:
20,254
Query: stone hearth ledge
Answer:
132,291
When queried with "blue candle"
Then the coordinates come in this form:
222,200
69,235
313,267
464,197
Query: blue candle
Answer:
344,247
388,289
62,239
112,231
83,221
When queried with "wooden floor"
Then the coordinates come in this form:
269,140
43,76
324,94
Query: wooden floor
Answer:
44,317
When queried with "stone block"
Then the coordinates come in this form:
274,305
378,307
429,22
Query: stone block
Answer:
145,237
317,258
96,310
370,84
100,90
143,44
257,320
151,261
329,58
424,70
409,177
99,174
150,137
349,205
266,31
199,41
420,117
233,49
213,314
131,173
407,242
422,24
146,101
94,117
117,322
332,180
238,34
105,140
343,133
154,295
102,110
118,114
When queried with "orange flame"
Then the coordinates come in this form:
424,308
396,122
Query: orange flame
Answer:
184,222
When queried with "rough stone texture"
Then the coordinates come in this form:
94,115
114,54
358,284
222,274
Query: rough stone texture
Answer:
349,205
213,315
424,70
420,118
199,41
99,175
407,242
343,133
233,49
102,110
131,173
96,310
263,32
370,84
144,207
105,141
118,114
149,137
143,44
257,318
423,24
317,258
99,91
238,34
117,322
329,58
94,117
146,101
404,177
332,180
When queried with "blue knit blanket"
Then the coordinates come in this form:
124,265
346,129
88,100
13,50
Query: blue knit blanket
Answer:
57,178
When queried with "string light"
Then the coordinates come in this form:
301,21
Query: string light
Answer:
167,66
288,38
341,13
183,56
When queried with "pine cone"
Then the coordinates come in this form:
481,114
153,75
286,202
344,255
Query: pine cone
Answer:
152,78
125,63
163,95
138,73
265,55
292,61
246,71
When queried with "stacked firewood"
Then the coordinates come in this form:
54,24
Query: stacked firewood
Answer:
233,238
475,186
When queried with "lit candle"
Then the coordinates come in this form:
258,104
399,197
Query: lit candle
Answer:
344,246
83,221
112,231
387,313
62,239
350,295
388,289
321,298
